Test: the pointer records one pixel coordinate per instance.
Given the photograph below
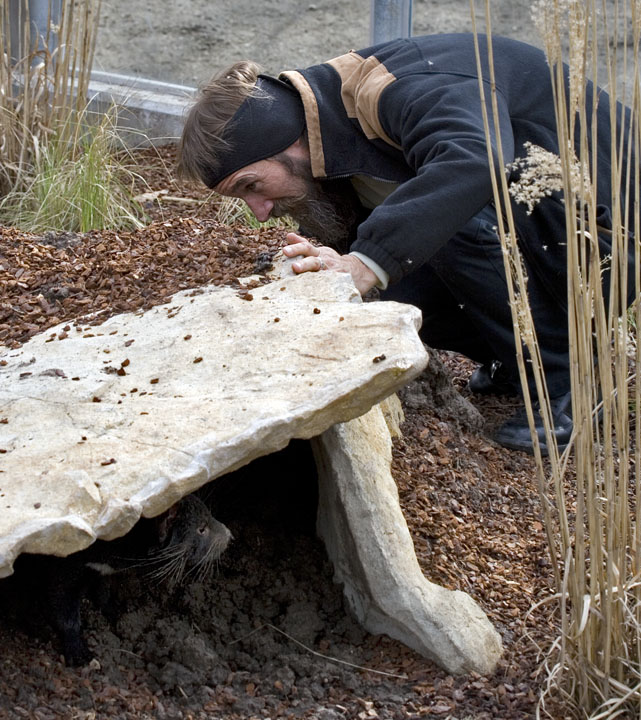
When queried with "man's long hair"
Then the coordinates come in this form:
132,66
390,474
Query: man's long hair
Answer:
217,102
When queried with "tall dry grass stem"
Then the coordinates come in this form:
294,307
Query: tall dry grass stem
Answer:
592,514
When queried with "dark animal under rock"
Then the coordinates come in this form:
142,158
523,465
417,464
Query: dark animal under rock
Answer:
176,547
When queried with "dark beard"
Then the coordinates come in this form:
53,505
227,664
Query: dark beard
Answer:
328,210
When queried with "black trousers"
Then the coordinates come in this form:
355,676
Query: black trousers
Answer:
462,293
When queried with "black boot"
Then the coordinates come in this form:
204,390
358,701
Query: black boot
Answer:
515,432
492,379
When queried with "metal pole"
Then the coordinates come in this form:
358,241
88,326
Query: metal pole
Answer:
43,17
390,19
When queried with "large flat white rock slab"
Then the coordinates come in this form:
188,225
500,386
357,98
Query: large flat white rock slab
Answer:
100,424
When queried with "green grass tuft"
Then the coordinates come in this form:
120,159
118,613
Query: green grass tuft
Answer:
76,184
230,211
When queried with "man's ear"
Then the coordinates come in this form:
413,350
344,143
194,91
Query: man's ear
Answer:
165,521
299,148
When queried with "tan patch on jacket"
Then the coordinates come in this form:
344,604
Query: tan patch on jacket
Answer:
362,82
312,121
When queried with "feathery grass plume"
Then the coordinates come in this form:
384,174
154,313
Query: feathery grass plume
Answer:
540,175
594,666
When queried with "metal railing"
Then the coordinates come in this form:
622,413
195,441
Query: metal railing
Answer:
390,19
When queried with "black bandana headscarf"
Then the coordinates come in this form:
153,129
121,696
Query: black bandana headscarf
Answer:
264,125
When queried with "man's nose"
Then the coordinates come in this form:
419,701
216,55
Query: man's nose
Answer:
261,207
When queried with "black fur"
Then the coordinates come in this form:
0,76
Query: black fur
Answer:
177,546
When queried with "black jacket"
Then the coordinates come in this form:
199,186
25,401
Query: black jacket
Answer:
409,112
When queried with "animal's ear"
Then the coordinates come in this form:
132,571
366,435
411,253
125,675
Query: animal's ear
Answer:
165,521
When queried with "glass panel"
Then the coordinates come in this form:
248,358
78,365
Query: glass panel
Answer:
187,41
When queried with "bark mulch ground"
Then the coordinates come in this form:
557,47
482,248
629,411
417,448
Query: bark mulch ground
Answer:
269,636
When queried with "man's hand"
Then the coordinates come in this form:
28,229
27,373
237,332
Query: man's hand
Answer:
316,258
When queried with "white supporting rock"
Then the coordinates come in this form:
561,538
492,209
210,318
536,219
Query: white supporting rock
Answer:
100,424
368,542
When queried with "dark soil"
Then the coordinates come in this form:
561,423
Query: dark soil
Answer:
268,636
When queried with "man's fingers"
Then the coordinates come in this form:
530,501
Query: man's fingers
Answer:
307,264
300,247
294,238
312,258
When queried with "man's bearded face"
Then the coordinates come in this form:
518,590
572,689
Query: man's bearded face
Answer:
326,210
